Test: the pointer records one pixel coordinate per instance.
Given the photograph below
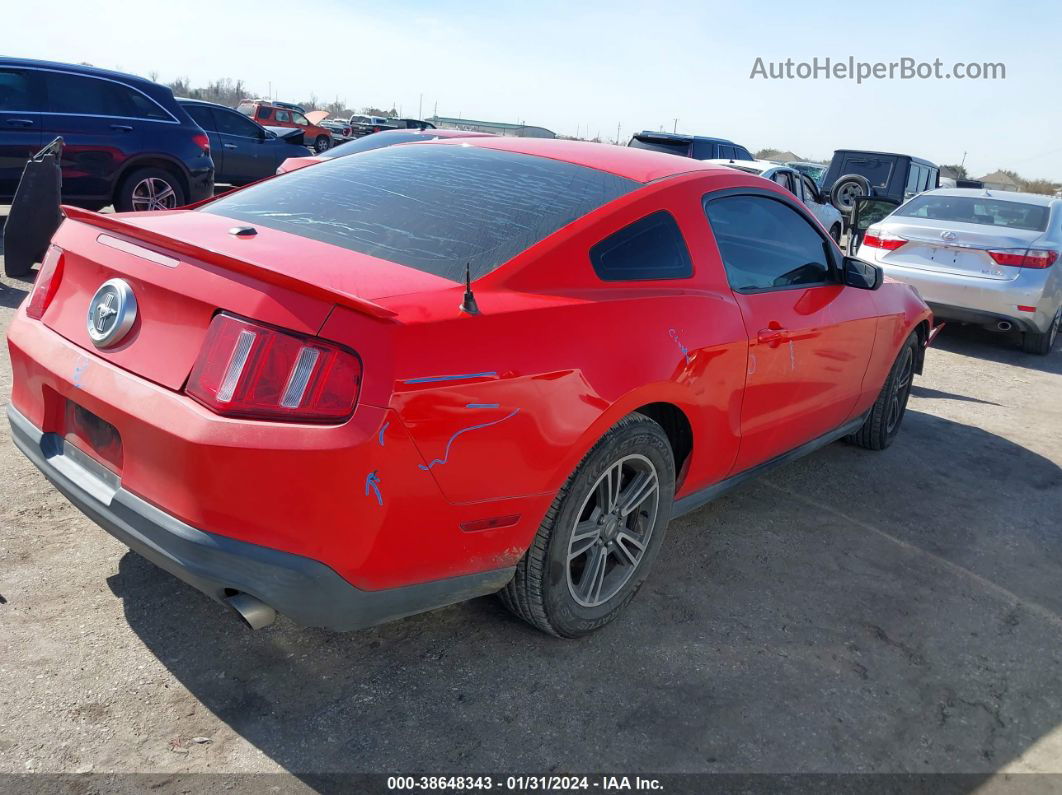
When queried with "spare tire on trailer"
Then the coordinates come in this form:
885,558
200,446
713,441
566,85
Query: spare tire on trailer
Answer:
846,190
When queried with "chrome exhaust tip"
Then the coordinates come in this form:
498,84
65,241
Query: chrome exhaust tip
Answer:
255,613
1004,325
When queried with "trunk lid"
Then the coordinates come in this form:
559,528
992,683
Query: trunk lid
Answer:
273,277
956,248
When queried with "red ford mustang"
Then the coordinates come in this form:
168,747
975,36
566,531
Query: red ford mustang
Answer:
290,398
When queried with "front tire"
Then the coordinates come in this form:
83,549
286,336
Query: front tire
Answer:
883,423
600,536
321,143
1041,344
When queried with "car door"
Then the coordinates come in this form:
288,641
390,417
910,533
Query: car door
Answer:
103,123
21,103
826,213
244,144
810,338
202,116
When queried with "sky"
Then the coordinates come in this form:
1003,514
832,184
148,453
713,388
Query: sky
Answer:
595,67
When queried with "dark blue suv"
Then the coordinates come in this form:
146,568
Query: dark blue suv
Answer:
699,147
127,141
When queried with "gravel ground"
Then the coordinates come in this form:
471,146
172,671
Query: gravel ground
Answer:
851,612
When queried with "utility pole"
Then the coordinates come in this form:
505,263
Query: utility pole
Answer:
617,133
420,107
963,163
674,129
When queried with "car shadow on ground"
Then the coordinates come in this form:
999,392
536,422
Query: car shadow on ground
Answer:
995,346
854,611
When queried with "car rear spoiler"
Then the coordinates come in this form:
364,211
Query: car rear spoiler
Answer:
113,224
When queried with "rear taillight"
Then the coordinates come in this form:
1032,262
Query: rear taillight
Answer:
1024,258
48,278
883,240
246,369
202,141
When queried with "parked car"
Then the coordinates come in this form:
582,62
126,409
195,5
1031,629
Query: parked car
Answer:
282,114
698,147
881,175
365,125
814,170
800,185
981,257
377,141
340,129
126,140
243,150
351,411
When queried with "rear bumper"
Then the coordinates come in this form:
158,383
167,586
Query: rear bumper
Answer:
969,299
305,590
200,185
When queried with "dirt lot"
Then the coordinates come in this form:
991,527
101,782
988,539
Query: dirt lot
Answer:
852,612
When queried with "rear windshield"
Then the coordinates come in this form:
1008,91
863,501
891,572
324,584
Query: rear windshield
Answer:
876,169
433,208
977,210
681,148
377,141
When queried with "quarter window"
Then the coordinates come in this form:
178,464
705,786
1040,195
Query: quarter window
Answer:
766,244
651,248
202,116
264,113
283,115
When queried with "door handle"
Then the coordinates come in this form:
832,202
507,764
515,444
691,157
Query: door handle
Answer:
122,127
229,146
20,122
773,333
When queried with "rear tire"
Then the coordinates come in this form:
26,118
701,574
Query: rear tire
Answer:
835,233
1041,344
321,143
883,422
149,189
600,536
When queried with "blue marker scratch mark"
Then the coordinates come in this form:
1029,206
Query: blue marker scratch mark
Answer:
483,406
446,452
379,436
79,370
685,351
372,481
461,377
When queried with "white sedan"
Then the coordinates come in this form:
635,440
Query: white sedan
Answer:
800,185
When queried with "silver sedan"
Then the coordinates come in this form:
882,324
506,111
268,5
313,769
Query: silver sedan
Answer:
977,256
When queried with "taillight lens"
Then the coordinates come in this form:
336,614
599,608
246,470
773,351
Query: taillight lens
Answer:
202,141
876,239
48,278
247,369
1024,258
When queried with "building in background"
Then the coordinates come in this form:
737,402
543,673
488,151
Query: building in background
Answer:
496,127
997,180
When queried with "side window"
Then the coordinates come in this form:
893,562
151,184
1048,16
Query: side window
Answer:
17,90
264,112
202,116
651,248
811,192
914,179
299,119
283,115
782,179
930,180
726,152
232,123
743,154
91,96
766,244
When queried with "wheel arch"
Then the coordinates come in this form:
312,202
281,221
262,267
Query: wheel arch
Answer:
151,161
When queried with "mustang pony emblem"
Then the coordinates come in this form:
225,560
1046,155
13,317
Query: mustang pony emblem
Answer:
111,313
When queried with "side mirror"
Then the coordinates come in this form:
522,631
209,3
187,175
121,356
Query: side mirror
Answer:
861,275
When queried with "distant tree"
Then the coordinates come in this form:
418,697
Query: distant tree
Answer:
959,171
1043,186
